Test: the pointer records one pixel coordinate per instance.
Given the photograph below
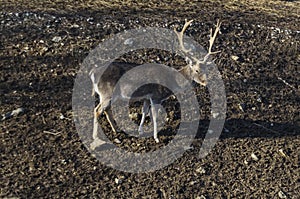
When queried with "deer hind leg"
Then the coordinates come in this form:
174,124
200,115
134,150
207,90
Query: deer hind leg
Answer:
96,140
111,120
102,107
145,111
96,114
154,115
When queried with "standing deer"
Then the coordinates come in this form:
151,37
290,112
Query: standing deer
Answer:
104,83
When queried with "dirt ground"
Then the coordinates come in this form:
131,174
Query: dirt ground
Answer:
42,45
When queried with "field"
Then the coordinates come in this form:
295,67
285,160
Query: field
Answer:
42,46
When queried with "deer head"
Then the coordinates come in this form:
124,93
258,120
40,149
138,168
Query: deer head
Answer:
193,70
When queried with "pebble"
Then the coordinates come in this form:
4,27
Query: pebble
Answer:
56,39
133,115
128,42
235,58
254,157
193,182
13,113
281,194
200,170
282,153
215,115
117,141
226,130
201,197
259,99
61,116
209,131
118,181
241,107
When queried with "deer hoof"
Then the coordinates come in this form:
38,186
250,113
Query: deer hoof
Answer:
141,131
97,142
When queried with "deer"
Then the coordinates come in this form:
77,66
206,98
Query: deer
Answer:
105,81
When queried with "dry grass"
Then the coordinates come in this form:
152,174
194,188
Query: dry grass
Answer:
276,7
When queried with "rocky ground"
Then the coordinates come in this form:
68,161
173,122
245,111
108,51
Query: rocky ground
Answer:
42,45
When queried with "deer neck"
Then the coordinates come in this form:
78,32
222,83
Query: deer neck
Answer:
187,72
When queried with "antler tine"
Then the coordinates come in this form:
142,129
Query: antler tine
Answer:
212,38
180,36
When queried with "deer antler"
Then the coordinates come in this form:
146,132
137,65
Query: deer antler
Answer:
192,70
180,36
212,38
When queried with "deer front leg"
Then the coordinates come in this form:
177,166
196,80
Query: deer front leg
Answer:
154,113
145,111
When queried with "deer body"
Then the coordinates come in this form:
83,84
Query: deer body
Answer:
104,84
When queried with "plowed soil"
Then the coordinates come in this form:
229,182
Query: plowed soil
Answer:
42,45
